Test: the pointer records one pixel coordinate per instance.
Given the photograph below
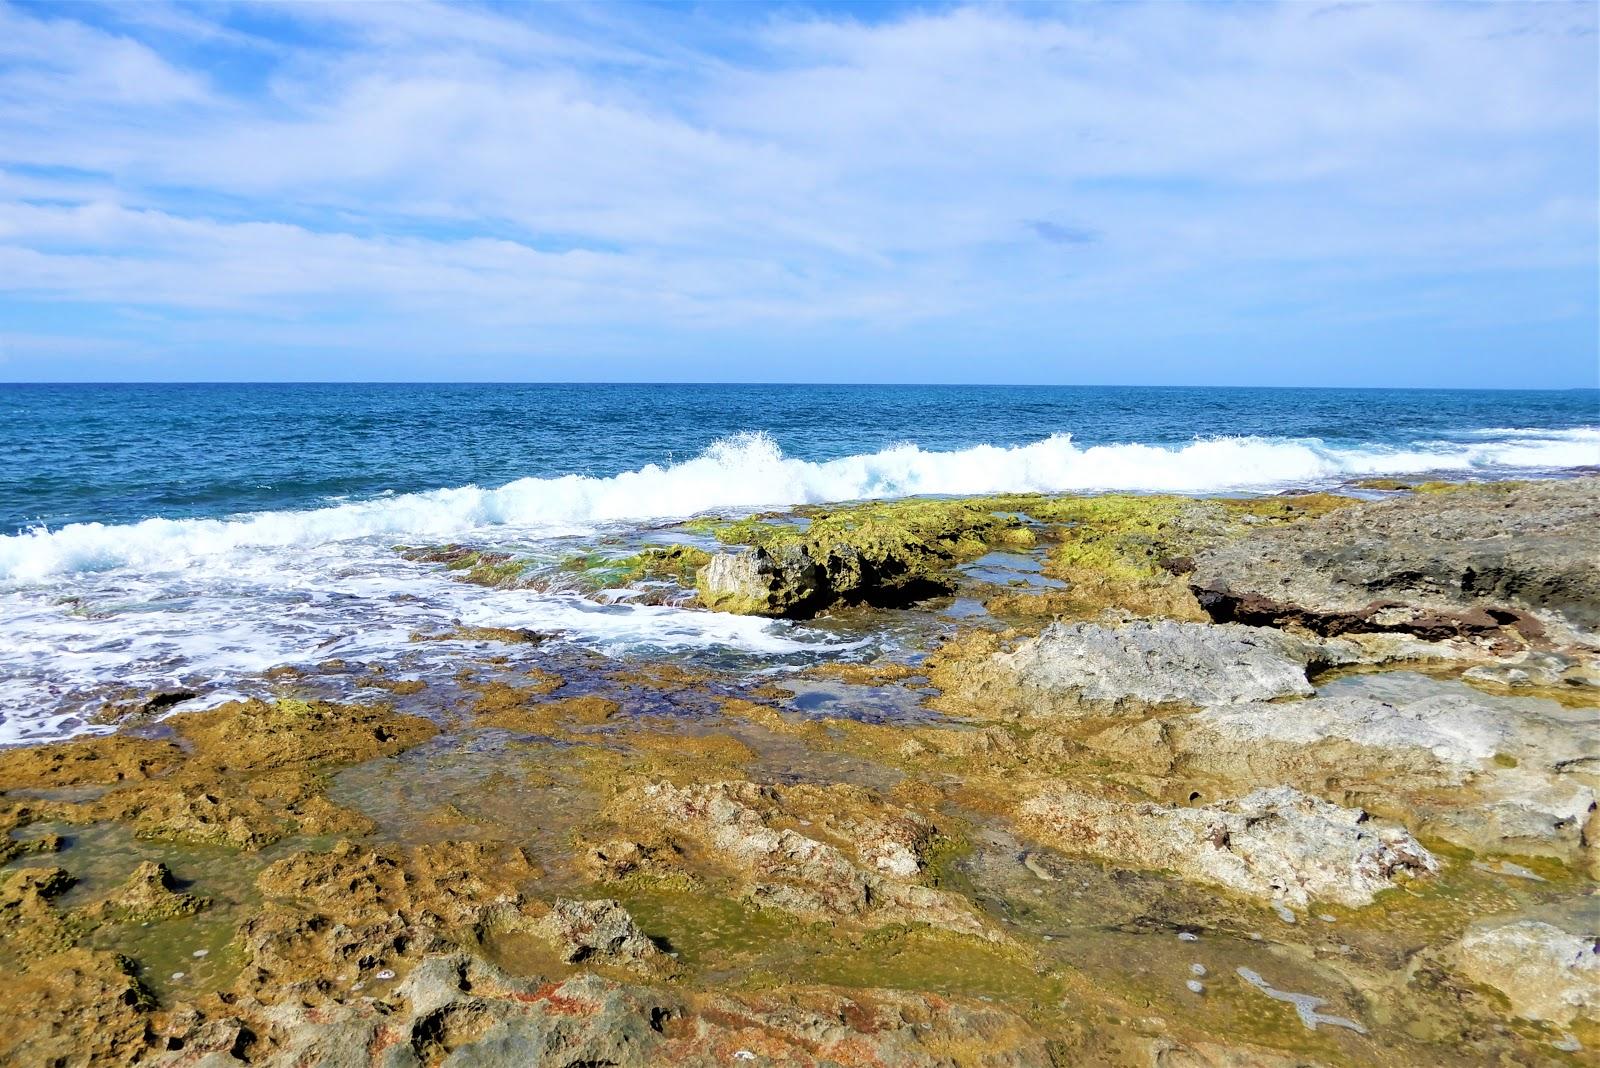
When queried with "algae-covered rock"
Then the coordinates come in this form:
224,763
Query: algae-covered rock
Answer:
597,932
1277,844
884,554
743,824
1545,972
148,896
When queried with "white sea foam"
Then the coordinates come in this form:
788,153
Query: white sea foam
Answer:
749,471
211,604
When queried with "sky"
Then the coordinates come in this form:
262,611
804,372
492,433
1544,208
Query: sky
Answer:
1396,194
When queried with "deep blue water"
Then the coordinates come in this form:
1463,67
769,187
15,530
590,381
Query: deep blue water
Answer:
119,453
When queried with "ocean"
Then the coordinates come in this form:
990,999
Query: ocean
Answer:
197,535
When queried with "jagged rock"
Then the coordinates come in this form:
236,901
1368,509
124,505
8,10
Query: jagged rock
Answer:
78,1008
600,932
1276,844
1082,668
148,896
1478,560
754,582
460,1010
1513,779
1545,972
787,870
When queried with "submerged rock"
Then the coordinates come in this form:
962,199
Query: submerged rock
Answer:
1278,844
1470,560
1545,972
148,896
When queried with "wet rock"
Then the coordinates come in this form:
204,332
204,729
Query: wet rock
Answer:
76,1009
884,554
1545,972
1505,560
755,582
599,932
743,823
1277,845
1479,774
1082,668
148,896
1537,670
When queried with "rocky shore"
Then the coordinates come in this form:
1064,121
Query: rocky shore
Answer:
1146,781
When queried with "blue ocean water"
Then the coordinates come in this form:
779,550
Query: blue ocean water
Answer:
121,453
198,536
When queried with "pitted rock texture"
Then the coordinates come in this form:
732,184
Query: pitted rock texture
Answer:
1545,972
743,824
1277,844
1085,668
1490,775
1474,560
459,1010
599,932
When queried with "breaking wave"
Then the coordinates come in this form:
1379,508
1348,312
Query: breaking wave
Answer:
749,471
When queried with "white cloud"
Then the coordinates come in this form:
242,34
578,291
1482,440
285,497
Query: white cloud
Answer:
537,166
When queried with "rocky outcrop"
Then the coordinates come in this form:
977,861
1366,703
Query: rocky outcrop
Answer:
1545,972
884,554
597,932
1094,668
1475,772
1277,845
460,1010
743,824
1485,560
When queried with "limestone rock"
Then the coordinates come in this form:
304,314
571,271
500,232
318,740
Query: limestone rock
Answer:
147,897
1486,774
1079,668
1477,560
1277,844
600,932
1545,972
743,825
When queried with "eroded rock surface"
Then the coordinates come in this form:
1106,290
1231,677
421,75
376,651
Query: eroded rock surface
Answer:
1545,972
1474,560
1277,844
1084,668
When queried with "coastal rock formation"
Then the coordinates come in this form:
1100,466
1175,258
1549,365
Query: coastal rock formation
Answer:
743,824
595,931
1465,560
1473,772
1545,972
884,555
1277,844
462,1010
1089,668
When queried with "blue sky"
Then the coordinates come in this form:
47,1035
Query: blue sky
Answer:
1392,194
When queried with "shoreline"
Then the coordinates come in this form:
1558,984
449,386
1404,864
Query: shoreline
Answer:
1330,761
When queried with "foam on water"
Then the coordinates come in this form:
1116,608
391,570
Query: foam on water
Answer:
749,471
167,602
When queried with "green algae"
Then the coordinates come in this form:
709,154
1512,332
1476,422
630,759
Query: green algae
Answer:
477,566
597,571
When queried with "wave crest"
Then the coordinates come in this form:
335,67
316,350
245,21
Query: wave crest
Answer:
749,471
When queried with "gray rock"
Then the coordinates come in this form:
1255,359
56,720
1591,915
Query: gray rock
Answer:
1483,560
1278,845
599,932
1150,663
1545,972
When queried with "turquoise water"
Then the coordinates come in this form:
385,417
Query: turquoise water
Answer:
194,537
119,453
